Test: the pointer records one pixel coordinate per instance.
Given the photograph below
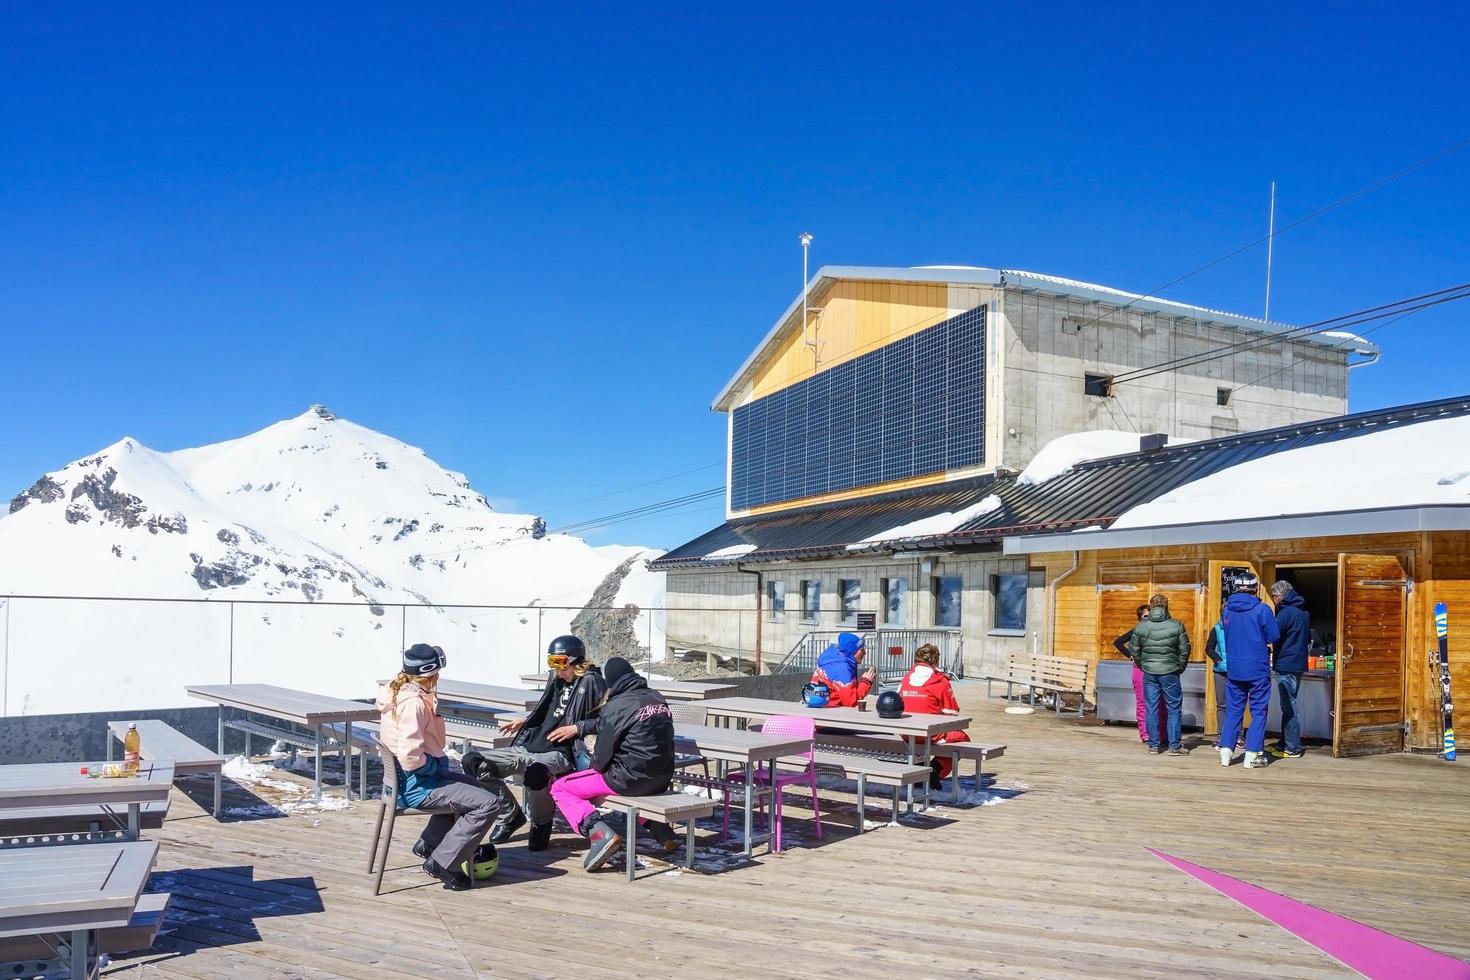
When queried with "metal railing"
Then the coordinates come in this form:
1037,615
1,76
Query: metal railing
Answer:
891,651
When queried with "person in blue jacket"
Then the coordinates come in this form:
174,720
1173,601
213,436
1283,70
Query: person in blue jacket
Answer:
1249,630
1290,663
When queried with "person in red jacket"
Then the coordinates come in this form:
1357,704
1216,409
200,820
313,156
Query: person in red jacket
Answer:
926,690
837,668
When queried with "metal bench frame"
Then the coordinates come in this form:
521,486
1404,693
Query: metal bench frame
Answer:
700,807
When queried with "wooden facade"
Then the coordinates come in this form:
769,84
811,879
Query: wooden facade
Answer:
1387,697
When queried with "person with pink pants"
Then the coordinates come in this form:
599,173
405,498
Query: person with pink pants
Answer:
1140,710
632,755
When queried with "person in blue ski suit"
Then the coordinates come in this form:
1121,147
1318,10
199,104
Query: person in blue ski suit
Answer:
1250,629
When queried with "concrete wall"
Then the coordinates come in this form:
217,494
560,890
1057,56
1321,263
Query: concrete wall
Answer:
1051,342
715,610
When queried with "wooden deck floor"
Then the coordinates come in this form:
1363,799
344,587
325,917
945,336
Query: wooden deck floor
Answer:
1052,881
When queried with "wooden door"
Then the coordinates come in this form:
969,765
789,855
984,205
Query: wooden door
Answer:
1117,613
1214,599
1371,629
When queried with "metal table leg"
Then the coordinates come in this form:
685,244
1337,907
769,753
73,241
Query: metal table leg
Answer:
347,760
862,782
221,729
775,808
749,809
630,844
319,763
689,843
135,825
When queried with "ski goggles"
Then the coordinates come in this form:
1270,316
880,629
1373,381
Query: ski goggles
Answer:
559,661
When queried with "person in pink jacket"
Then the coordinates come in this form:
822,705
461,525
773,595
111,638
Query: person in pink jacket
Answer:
1140,709
464,809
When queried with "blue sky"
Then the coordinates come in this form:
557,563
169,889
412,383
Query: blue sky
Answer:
537,242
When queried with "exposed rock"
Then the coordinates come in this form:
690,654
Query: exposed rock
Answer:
417,561
117,506
323,412
117,550
43,491
218,575
381,464
177,524
76,514
407,529
227,536
610,632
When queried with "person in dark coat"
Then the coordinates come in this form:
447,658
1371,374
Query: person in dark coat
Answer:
1249,630
1160,648
549,742
1140,709
633,755
1290,663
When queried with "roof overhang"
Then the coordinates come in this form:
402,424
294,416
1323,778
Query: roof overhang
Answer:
1388,520
827,275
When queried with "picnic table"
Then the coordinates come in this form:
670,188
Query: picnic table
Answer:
490,695
300,707
73,892
672,690
62,784
749,750
919,728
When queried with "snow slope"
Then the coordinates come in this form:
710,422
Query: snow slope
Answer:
1407,466
342,522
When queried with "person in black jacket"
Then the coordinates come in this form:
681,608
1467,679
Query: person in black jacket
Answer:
1290,663
548,742
633,756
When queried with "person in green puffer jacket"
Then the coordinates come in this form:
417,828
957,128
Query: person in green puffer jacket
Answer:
1160,647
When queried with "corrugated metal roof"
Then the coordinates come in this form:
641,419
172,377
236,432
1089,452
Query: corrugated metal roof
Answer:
1092,493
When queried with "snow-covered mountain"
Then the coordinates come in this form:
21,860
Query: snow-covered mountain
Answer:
320,530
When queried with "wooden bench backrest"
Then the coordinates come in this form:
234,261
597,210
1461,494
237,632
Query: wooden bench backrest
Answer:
1057,671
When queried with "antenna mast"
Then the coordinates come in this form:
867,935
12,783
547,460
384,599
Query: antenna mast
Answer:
1270,242
806,244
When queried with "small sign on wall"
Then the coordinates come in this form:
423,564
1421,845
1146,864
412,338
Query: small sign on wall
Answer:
867,621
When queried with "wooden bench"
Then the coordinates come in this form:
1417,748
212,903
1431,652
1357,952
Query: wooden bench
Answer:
867,769
84,823
138,934
1059,675
665,808
159,741
895,749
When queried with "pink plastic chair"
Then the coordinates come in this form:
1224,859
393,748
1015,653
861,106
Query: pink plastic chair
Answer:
788,725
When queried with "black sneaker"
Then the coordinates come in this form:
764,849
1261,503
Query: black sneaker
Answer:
604,841
663,835
420,849
505,829
455,881
539,838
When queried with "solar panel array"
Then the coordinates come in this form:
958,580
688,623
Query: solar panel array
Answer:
913,407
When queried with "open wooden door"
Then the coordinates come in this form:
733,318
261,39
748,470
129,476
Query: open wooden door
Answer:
1217,588
1368,716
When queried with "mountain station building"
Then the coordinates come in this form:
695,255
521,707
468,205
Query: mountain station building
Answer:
886,472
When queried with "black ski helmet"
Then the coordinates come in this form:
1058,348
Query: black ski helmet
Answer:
890,705
570,646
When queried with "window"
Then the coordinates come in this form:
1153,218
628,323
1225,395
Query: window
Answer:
776,599
896,601
811,600
1097,385
1010,602
850,591
947,591
1222,396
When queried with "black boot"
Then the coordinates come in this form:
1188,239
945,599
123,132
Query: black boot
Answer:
936,781
540,837
506,827
420,849
454,880
603,842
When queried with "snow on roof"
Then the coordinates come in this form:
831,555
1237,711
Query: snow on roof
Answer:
1423,464
934,524
1064,452
734,551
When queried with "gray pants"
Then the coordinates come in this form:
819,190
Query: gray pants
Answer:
468,809
513,762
